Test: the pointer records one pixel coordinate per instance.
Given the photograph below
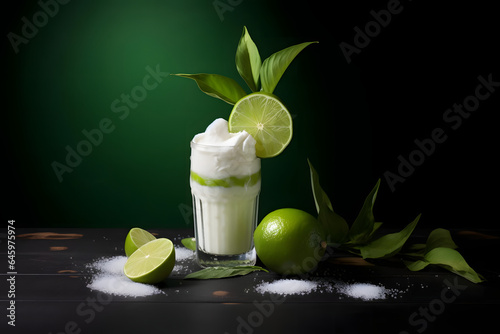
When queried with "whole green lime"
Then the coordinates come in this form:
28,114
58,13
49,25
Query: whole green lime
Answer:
290,241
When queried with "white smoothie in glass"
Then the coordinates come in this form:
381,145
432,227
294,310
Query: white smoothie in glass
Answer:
225,184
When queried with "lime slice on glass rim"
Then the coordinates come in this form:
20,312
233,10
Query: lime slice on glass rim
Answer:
136,237
152,262
266,119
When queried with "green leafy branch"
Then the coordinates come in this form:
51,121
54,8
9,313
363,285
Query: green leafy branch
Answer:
359,238
217,272
258,75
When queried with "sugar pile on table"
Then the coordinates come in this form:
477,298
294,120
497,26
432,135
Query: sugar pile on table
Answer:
110,265
183,257
182,253
288,287
364,291
122,286
109,278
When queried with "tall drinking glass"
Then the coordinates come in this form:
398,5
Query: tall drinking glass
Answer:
225,191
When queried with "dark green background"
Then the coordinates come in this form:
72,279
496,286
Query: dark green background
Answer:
351,120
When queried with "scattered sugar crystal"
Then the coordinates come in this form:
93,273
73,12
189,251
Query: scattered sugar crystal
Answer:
287,287
326,287
180,269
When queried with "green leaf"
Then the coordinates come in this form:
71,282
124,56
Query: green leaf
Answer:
363,226
223,272
376,226
217,86
189,243
450,259
335,226
248,61
319,195
453,261
416,265
415,250
437,238
389,244
273,67
440,238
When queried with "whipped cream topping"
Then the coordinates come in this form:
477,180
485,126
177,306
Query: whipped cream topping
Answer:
217,153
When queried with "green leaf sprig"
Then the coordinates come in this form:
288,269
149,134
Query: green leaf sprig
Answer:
258,75
359,238
223,272
439,250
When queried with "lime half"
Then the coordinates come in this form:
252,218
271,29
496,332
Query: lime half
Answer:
151,263
136,237
264,117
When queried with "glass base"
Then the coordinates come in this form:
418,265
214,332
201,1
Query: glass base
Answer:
206,260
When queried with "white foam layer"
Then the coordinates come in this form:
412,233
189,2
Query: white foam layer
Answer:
217,134
217,153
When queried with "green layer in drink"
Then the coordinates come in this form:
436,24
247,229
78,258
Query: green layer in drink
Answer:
227,182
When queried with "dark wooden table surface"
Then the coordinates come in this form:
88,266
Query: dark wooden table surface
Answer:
51,294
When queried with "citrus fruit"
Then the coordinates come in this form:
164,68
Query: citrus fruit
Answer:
266,119
152,262
290,241
136,237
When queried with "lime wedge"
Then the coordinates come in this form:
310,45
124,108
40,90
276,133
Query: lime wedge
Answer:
136,237
264,117
151,263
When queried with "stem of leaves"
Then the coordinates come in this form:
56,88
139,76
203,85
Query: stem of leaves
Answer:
359,238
